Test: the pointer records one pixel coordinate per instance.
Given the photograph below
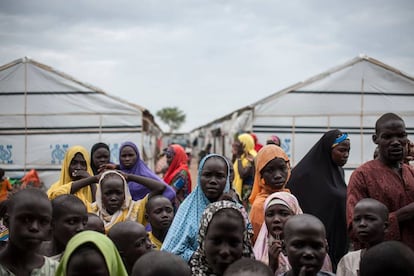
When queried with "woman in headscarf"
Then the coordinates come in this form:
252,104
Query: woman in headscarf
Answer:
278,208
178,175
225,221
271,175
275,217
212,182
319,185
91,253
131,163
113,200
100,155
75,176
244,154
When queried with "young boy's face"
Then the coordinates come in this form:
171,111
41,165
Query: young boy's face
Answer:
223,242
306,248
136,244
69,223
368,223
29,223
275,173
113,194
161,213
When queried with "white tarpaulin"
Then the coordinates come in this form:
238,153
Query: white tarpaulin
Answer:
350,97
44,111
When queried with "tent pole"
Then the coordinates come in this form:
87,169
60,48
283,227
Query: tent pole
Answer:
25,114
361,123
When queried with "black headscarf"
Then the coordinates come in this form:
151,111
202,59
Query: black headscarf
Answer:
95,148
319,185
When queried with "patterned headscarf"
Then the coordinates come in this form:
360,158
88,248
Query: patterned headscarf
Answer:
198,262
181,238
105,246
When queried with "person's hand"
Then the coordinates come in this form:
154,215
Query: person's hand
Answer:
105,167
250,157
275,248
80,174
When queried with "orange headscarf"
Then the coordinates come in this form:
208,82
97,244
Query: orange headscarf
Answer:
260,191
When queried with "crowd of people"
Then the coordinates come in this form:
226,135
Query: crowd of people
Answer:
251,214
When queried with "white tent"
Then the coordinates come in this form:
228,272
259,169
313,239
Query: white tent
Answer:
349,97
44,111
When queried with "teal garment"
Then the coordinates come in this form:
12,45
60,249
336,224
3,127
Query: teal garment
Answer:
181,238
103,243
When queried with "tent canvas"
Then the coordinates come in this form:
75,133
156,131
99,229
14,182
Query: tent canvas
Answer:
349,97
44,111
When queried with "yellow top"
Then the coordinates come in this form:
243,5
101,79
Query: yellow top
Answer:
155,241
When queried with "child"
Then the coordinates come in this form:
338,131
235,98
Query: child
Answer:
212,182
248,267
388,258
95,223
28,217
157,263
5,186
272,174
223,239
69,217
369,224
113,199
131,240
160,214
91,253
75,177
279,207
306,245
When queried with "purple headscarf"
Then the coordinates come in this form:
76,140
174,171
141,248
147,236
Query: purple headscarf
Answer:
137,190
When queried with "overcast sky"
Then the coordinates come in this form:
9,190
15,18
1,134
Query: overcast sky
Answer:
208,57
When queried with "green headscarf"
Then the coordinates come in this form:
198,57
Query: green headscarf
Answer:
103,243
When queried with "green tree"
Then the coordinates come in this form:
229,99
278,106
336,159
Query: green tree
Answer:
172,116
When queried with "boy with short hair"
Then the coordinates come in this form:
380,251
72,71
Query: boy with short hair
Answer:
131,240
28,217
248,267
95,223
160,214
69,217
369,225
306,245
388,258
156,263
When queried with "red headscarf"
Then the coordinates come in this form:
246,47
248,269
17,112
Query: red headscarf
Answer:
179,163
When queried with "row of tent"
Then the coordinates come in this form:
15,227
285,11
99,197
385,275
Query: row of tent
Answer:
44,111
